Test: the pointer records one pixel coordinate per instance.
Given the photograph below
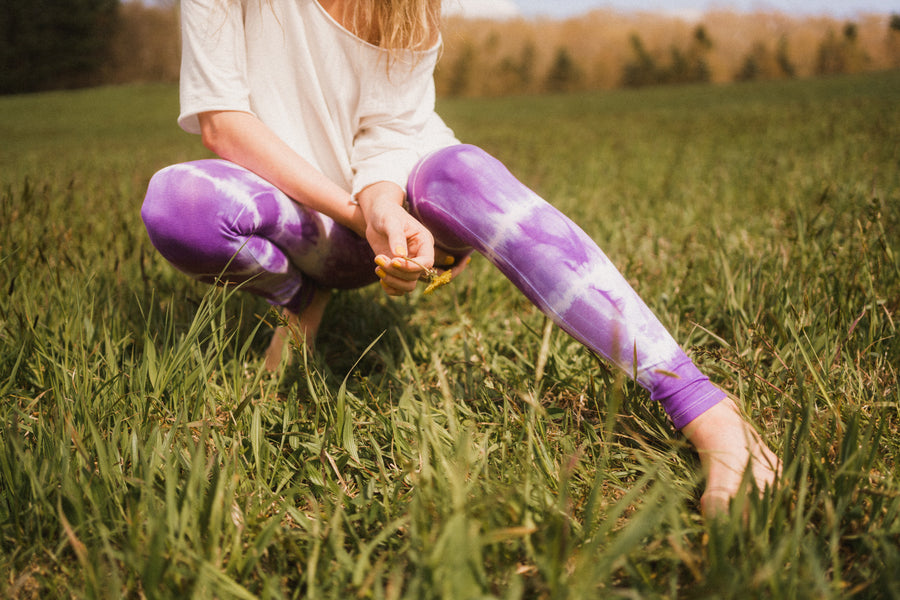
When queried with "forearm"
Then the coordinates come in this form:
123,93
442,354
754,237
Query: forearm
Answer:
378,215
245,140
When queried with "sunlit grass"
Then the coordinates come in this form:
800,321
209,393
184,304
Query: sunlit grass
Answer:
452,445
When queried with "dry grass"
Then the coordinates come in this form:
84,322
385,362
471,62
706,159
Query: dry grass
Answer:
488,55
600,43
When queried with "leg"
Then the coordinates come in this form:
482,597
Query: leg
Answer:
220,223
467,198
728,445
301,327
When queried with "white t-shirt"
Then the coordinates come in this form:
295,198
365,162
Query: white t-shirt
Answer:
327,93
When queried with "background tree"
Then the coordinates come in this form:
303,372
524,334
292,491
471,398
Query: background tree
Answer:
782,56
461,71
698,66
754,63
840,54
762,63
830,59
146,46
893,40
564,74
51,44
686,65
525,66
641,70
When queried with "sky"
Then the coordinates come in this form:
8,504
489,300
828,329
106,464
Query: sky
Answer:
686,8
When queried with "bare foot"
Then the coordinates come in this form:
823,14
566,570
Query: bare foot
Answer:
727,444
301,328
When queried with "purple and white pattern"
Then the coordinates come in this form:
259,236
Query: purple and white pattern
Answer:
465,196
212,218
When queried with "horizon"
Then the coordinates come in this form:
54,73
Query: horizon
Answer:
685,9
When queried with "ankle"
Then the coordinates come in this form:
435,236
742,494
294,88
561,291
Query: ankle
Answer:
717,427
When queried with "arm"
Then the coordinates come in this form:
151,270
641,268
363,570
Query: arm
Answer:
378,215
392,116
243,139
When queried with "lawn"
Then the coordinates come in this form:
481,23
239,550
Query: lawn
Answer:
454,445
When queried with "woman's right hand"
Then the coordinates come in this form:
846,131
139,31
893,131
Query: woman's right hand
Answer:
394,236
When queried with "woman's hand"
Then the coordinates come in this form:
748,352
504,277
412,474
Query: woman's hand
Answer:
395,235
444,260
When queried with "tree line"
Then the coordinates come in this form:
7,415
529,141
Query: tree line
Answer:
54,44
604,50
48,44
62,44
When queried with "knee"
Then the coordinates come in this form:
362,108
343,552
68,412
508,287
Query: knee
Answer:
463,156
160,201
184,215
182,192
157,199
462,166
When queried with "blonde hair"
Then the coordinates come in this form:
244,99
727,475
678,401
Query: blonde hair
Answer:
395,25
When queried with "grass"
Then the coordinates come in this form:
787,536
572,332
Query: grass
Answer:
450,445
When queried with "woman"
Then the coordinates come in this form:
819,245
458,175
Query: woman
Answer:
336,172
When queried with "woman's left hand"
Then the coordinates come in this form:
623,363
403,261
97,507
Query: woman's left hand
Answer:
445,260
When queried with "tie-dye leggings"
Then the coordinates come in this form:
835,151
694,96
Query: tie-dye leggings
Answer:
218,222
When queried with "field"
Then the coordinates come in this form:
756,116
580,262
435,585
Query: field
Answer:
452,445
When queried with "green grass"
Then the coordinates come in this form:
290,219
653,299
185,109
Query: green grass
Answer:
422,453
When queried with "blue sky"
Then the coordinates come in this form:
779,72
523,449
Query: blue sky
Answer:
566,8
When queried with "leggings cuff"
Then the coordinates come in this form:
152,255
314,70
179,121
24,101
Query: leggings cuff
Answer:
301,299
691,402
687,395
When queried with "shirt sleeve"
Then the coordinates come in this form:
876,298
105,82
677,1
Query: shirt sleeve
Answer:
399,108
213,61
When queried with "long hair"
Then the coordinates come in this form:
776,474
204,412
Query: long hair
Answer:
395,24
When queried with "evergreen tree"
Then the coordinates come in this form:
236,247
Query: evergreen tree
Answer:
782,56
515,74
462,70
763,63
698,67
685,66
51,44
831,58
893,40
563,75
753,65
642,70
841,54
679,70
526,64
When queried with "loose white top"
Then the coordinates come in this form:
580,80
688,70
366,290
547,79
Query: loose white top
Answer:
327,93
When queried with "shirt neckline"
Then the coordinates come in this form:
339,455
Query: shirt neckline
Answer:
335,23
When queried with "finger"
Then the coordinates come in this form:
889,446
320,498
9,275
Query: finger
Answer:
442,259
399,268
396,290
390,291
401,285
421,249
407,269
460,266
397,242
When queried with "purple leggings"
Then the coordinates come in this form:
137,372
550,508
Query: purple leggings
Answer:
219,222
